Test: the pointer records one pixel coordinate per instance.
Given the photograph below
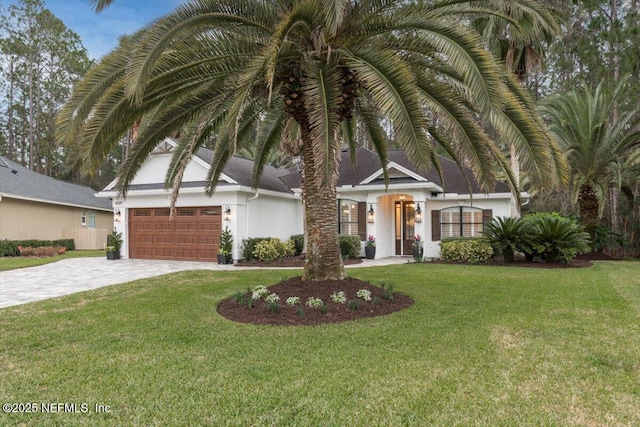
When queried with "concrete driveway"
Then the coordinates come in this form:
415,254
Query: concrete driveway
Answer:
73,275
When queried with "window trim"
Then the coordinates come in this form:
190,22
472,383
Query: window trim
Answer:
361,217
437,225
92,219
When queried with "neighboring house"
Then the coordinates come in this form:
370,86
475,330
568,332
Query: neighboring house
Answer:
413,203
35,206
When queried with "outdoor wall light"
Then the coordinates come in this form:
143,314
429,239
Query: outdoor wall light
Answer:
227,213
418,213
371,216
116,215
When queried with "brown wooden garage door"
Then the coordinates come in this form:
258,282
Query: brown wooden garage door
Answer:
192,235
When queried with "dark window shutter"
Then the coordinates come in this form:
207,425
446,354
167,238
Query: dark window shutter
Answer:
487,216
362,220
435,225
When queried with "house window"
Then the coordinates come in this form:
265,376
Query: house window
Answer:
462,221
348,217
83,217
91,219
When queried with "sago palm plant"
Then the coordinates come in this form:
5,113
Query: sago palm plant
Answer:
509,235
559,239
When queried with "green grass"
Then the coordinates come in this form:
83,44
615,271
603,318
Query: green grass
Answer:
482,346
12,263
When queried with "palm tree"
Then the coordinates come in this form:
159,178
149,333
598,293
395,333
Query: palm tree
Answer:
595,146
517,38
306,71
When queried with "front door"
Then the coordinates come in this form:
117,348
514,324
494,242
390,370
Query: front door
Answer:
405,226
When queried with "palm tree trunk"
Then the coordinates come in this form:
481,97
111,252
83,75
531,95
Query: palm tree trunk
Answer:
321,223
515,168
588,202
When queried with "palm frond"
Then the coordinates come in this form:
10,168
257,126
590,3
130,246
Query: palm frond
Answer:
322,91
388,81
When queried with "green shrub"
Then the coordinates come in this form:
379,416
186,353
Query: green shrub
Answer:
273,249
349,246
509,235
605,239
298,240
226,242
8,248
68,244
33,243
249,245
114,240
472,250
558,239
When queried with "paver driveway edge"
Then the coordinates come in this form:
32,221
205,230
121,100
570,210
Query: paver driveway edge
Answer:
73,275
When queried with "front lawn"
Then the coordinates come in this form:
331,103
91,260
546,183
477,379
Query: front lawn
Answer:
12,263
480,346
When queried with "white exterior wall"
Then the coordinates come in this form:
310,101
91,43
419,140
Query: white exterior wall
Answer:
271,214
264,216
156,166
383,229
500,205
274,217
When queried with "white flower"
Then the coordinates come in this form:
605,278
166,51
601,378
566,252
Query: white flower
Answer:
339,297
315,302
365,294
259,291
291,301
272,298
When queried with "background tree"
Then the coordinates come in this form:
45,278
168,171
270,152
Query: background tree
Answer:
41,60
595,144
518,38
600,40
307,71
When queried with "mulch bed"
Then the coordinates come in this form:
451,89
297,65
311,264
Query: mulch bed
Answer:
289,262
336,312
580,261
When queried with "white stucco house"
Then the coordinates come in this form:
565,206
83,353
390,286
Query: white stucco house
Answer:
413,203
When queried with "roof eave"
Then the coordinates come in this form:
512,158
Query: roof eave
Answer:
52,202
200,190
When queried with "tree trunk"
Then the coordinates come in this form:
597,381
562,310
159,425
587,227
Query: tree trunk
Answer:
11,150
588,203
321,222
614,201
515,169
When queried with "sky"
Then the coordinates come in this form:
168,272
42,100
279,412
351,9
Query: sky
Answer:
100,32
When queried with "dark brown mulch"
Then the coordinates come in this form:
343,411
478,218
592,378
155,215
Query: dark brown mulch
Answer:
580,261
336,312
289,262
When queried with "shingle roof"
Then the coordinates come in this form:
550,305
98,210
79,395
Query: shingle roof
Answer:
27,184
241,170
368,163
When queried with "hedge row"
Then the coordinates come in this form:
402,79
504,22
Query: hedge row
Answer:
349,246
10,247
249,245
465,249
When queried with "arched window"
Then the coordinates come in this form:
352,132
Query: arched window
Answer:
461,221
